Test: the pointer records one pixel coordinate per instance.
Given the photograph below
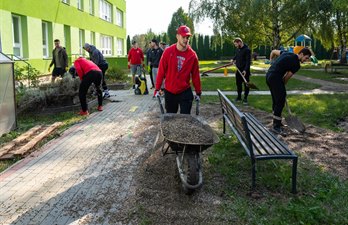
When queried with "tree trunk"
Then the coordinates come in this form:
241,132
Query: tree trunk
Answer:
275,24
340,17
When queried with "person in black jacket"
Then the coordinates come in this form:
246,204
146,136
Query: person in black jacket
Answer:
278,75
148,53
97,57
155,56
242,61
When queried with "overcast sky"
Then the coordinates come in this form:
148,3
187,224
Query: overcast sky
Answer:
157,14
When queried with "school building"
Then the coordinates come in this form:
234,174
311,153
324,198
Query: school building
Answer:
28,28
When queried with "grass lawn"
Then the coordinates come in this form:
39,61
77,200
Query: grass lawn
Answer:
229,83
322,197
320,110
332,77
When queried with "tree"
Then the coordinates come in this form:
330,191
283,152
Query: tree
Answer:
257,21
194,43
179,18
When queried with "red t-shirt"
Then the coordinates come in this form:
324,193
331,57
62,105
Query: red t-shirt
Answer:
178,68
83,66
135,56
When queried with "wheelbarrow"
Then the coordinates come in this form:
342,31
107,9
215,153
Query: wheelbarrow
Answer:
187,137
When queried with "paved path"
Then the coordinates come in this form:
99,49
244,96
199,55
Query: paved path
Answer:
61,183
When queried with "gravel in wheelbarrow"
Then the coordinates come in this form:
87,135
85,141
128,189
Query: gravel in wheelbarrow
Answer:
186,129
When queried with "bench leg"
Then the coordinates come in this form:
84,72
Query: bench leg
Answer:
253,174
224,125
294,175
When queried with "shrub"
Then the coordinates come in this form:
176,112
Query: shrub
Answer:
115,74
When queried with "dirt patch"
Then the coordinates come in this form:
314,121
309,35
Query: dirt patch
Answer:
159,198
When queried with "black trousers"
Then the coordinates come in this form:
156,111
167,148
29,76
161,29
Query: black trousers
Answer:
150,73
240,81
94,77
277,87
104,68
173,101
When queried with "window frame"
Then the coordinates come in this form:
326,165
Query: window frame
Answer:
119,17
45,47
105,10
120,50
18,45
106,49
80,5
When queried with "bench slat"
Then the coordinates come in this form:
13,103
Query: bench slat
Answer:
265,142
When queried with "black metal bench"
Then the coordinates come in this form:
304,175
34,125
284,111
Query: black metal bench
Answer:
258,142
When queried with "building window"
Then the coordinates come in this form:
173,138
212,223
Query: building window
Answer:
45,51
106,45
66,1
91,7
119,18
81,41
80,4
17,36
92,38
119,47
105,10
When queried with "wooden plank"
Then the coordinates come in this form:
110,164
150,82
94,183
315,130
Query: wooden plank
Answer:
23,137
31,144
27,134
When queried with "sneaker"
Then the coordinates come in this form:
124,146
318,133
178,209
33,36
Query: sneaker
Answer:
84,113
106,94
245,101
100,108
238,100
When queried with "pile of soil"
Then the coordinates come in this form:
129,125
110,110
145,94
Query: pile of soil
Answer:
183,128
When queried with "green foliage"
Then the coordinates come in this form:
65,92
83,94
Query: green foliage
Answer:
115,74
321,199
27,73
179,18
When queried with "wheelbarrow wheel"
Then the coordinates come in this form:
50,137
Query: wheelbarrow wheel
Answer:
192,170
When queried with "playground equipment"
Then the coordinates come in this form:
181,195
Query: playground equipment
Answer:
301,42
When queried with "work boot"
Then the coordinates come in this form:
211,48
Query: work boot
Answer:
238,99
245,101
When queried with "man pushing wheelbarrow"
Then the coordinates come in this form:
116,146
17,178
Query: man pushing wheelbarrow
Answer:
185,135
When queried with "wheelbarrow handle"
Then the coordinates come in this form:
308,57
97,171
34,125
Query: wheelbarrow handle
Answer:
160,103
197,107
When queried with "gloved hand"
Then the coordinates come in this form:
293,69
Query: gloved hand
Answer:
66,68
128,66
198,97
157,93
143,65
244,73
49,69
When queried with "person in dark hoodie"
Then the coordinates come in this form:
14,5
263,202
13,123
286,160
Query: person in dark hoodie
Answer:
97,57
154,58
242,60
177,67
